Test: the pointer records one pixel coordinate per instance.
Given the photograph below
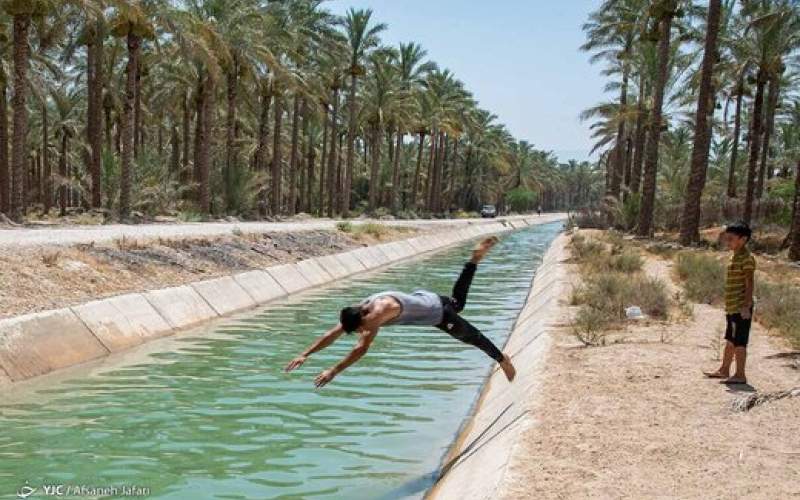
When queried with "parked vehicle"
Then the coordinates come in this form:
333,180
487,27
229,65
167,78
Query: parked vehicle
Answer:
489,211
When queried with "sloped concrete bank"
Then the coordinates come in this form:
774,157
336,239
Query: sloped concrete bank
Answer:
477,462
36,344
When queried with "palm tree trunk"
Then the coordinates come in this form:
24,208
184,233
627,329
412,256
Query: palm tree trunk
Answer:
230,125
437,194
204,145
308,178
276,179
62,172
764,171
5,178
137,113
737,133
184,176
430,179
175,151
333,192
639,138
21,49
794,247
619,147
47,169
351,148
755,143
128,126
396,188
109,123
322,160
690,223
374,164
292,198
651,152
263,129
417,172
94,115
628,165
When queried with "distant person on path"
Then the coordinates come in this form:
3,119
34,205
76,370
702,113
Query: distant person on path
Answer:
539,210
422,308
739,283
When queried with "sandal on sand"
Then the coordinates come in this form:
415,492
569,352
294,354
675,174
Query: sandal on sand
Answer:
714,375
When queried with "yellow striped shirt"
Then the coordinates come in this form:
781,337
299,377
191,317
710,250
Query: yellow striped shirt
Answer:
741,264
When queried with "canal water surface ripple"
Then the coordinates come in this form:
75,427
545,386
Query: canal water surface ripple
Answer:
212,415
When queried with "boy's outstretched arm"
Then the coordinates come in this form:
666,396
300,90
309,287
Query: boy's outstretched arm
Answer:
321,343
359,350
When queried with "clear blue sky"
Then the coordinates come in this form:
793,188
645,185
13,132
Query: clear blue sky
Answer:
519,58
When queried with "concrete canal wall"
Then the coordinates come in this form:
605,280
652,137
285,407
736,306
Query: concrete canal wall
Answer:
477,462
36,344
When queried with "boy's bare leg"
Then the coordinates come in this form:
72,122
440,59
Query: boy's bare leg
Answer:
727,359
740,353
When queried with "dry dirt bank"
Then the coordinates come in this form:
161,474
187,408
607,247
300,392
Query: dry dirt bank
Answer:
49,277
636,418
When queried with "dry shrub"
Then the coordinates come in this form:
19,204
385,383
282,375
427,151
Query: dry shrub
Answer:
703,276
50,258
779,307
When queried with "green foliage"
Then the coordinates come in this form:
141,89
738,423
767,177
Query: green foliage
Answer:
780,191
344,226
242,187
521,199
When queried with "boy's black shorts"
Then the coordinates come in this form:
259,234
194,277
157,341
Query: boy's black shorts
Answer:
737,331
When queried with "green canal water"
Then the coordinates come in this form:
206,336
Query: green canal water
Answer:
210,414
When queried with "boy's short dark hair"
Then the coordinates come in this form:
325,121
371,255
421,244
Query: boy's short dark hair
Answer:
350,318
740,229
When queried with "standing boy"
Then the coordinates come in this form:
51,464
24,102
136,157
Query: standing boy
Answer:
738,304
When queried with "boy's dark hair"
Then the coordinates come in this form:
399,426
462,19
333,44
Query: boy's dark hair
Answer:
350,318
740,229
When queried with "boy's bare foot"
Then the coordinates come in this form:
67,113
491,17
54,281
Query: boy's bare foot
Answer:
508,368
734,381
716,374
482,248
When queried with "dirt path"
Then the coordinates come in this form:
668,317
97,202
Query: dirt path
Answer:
636,419
61,235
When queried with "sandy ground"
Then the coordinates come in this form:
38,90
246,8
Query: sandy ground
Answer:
636,419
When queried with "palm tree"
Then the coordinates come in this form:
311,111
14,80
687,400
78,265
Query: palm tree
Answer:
412,72
22,12
362,36
771,32
130,23
690,222
663,12
95,32
611,32
66,125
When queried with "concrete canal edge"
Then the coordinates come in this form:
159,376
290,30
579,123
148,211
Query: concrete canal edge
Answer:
39,343
477,462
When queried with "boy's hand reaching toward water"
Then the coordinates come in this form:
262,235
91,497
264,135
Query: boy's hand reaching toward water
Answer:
295,363
324,377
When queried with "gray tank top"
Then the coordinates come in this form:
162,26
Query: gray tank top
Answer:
420,307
